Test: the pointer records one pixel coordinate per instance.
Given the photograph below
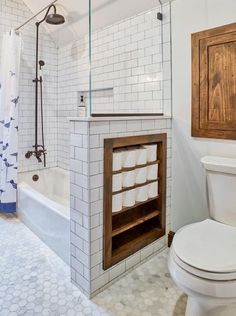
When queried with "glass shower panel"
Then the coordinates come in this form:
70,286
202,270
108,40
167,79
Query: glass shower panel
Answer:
129,55
74,66
73,74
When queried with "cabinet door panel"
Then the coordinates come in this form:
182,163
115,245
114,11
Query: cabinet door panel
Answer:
214,83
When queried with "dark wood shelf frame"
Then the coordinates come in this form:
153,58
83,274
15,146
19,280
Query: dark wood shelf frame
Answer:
134,227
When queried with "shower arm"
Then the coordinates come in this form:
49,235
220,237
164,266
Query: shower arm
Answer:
34,16
46,14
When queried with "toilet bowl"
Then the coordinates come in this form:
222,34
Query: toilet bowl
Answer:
202,259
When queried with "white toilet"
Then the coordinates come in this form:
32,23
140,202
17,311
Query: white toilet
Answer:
202,259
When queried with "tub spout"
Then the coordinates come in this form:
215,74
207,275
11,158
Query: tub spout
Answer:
38,157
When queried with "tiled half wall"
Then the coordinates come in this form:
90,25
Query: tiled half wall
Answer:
86,165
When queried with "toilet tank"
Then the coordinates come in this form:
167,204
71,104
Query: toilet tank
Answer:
221,184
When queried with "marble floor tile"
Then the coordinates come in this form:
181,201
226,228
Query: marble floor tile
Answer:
34,281
146,291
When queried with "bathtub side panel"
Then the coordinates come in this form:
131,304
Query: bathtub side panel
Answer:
42,218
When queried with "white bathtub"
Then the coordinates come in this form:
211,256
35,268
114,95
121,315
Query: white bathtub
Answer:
43,206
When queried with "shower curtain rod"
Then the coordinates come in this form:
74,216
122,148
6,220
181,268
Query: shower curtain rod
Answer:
19,27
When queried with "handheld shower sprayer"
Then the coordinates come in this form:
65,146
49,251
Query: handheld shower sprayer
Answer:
41,64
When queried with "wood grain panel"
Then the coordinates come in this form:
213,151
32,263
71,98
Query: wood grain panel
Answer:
214,83
222,83
107,202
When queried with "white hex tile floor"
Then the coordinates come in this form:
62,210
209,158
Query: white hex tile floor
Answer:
35,282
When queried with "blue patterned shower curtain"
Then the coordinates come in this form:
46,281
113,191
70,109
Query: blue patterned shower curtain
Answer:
9,99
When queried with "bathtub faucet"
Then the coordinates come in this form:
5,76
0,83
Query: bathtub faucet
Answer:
37,153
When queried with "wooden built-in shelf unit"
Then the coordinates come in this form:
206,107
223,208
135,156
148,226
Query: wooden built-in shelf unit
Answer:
133,228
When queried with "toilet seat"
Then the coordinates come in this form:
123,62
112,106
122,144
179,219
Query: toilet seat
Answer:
207,250
207,275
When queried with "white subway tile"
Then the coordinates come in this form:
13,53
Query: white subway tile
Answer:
82,282
117,270
95,246
117,126
82,257
76,241
76,140
99,127
99,282
133,260
82,232
147,251
82,206
77,265
134,125
96,154
81,128
96,233
96,259
81,154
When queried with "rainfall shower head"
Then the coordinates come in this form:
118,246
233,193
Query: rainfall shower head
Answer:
55,19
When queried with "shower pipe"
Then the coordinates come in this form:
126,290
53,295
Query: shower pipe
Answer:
41,63
40,150
54,19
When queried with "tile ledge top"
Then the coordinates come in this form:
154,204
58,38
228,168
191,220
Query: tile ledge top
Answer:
117,118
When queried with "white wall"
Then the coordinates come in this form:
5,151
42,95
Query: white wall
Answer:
189,193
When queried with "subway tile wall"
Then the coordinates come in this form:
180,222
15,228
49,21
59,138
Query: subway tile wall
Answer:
12,14
87,139
127,71
127,75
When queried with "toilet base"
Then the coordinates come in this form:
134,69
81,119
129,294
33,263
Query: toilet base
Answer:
205,297
205,308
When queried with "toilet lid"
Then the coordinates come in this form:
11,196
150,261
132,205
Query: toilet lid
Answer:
209,246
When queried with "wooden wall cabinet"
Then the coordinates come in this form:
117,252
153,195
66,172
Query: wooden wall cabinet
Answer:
214,83
133,228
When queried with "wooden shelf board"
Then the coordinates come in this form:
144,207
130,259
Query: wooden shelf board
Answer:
156,162
135,186
136,243
135,223
135,205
